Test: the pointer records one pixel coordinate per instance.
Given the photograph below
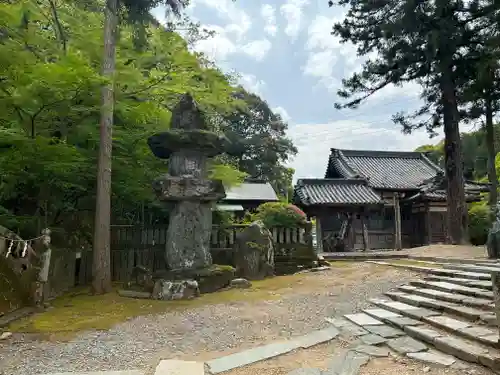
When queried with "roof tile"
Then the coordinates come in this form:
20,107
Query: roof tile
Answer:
383,169
335,192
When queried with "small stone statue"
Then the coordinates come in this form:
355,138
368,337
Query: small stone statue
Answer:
493,243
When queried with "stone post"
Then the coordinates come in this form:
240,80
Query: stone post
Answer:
188,145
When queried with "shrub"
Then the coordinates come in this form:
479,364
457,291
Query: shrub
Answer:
278,214
479,223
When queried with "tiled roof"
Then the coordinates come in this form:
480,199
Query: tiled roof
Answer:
382,169
435,189
251,191
334,192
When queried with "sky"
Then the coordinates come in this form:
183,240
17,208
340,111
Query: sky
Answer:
283,51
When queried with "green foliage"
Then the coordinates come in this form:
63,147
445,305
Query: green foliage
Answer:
278,214
261,147
49,115
479,222
474,153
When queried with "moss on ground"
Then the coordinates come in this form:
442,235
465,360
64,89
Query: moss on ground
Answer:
80,311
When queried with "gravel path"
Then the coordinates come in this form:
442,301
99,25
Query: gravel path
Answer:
205,332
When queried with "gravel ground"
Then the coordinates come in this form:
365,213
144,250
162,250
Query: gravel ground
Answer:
206,332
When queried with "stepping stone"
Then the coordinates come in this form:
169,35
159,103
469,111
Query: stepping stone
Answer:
381,313
408,288
460,348
362,319
317,337
422,333
467,312
347,328
433,357
348,363
338,322
176,367
447,323
250,356
405,344
454,288
372,339
490,339
385,331
463,311
490,319
438,294
399,306
482,284
403,321
415,300
477,331
405,309
306,371
484,303
372,351
420,313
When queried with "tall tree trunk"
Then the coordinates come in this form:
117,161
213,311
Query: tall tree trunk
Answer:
101,266
457,209
490,146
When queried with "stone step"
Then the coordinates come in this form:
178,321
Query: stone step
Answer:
454,260
480,303
485,336
481,284
397,315
462,348
471,268
450,287
469,313
437,271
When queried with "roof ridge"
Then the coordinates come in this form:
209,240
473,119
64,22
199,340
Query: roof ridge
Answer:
350,172
377,153
320,181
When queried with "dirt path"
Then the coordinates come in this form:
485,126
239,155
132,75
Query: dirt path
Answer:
450,251
298,306
214,325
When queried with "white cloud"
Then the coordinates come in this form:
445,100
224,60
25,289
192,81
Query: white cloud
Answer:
231,37
257,49
325,51
329,60
239,21
283,113
315,140
292,11
252,83
269,15
217,48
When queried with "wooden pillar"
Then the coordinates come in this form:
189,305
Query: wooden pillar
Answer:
397,222
364,228
319,236
428,225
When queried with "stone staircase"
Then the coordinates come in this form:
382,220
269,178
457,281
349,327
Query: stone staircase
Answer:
450,308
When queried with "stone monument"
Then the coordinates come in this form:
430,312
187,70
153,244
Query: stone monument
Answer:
188,145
